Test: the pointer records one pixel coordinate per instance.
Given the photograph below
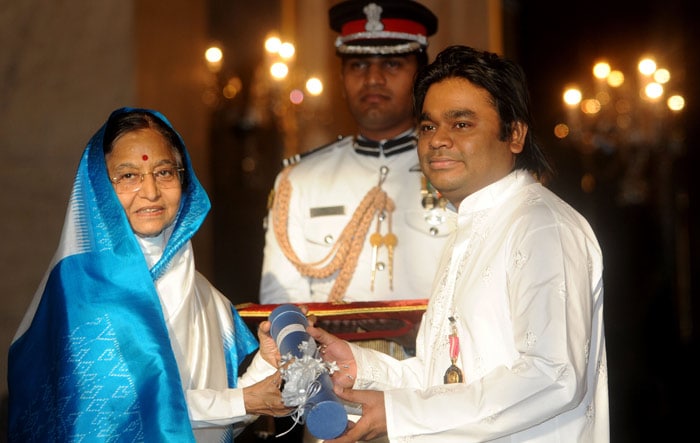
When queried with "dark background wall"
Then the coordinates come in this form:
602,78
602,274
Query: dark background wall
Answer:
651,248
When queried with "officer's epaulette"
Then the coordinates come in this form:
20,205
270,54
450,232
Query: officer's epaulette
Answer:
297,157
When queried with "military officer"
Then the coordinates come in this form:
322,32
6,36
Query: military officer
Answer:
356,220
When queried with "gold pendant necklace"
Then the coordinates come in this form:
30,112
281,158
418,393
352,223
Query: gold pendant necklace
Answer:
453,373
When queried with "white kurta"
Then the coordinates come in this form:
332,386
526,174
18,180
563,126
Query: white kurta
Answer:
198,317
327,187
522,276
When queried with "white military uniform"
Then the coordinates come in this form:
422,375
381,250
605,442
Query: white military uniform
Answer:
326,187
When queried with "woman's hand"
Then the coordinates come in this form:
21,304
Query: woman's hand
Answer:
265,397
268,348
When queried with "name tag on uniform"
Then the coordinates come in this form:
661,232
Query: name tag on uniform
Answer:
328,210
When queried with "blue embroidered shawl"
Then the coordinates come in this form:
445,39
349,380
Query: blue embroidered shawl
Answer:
95,362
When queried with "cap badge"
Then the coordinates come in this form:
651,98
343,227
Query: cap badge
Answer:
374,16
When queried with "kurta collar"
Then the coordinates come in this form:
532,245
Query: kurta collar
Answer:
496,192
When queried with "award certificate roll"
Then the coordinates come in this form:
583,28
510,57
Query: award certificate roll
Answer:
308,385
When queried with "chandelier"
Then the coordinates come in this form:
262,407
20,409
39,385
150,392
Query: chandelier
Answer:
631,117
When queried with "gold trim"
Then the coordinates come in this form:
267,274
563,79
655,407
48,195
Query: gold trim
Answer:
241,308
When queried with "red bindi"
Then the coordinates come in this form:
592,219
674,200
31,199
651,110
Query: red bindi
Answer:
144,157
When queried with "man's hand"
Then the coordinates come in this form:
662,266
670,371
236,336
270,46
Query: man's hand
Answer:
333,349
372,423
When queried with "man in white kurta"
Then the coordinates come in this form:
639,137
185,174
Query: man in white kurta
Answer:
514,377
512,345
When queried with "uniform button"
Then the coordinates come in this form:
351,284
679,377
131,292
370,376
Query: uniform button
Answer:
328,239
381,266
434,231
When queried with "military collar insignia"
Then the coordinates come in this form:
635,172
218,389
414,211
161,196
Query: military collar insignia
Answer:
373,148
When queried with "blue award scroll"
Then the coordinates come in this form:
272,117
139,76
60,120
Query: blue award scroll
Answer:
321,410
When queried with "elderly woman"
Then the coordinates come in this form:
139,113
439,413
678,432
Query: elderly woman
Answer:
124,339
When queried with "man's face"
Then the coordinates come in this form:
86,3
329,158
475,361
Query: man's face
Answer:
458,139
378,91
